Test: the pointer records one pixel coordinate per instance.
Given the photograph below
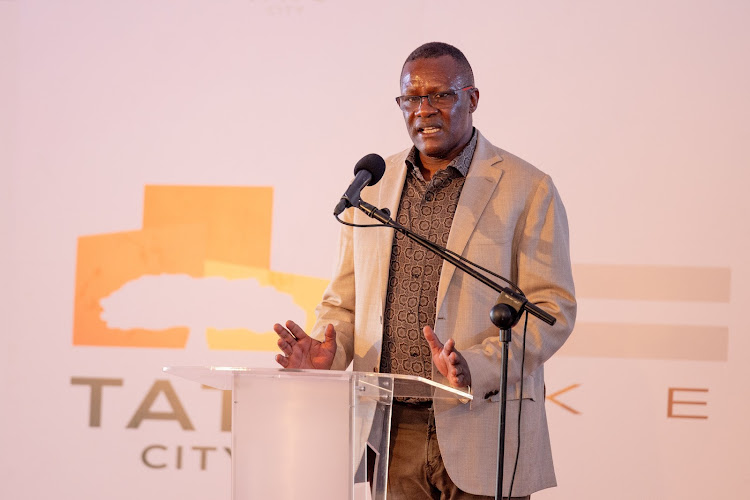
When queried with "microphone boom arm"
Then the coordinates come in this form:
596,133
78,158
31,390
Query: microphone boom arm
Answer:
515,300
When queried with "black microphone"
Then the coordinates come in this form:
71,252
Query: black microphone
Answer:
367,172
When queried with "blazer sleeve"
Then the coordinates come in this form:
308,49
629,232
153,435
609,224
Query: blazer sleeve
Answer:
338,303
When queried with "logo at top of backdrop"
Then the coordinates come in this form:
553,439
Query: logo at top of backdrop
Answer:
197,273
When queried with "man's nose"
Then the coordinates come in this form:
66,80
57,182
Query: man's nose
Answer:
425,107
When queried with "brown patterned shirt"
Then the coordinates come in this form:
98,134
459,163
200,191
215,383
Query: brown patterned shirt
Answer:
427,208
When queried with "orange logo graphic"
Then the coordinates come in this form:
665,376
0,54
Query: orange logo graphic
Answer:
197,273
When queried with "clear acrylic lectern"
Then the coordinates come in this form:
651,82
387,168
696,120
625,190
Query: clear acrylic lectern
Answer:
312,434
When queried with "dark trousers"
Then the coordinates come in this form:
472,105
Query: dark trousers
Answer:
416,470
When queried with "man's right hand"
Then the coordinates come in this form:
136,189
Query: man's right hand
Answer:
302,351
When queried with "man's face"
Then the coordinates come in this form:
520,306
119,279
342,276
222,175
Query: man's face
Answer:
438,133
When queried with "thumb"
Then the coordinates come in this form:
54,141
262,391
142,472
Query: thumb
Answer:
330,335
431,338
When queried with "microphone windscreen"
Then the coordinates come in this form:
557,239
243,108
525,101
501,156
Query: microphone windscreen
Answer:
373,163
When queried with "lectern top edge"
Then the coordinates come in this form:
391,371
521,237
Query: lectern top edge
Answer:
222,377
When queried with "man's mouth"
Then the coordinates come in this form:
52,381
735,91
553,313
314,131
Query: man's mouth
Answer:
428,130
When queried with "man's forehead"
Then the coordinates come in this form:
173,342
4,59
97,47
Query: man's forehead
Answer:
436,73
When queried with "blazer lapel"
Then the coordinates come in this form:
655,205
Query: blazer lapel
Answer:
481,181
389,197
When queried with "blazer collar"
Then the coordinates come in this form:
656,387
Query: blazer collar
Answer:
393,183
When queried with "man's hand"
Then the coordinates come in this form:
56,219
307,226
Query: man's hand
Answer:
449,362
302,351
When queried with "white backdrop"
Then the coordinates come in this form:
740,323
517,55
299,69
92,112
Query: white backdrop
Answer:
126,126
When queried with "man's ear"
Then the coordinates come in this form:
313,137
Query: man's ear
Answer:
473,100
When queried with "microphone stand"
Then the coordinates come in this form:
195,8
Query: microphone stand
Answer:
504,315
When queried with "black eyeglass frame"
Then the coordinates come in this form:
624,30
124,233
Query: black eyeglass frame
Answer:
412,99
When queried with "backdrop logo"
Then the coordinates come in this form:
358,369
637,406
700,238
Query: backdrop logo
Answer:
197,273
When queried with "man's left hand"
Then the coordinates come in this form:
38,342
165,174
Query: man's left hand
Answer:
449,362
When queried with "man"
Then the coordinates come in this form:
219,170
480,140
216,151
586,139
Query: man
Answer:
394,307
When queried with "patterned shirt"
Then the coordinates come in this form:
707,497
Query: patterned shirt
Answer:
426,208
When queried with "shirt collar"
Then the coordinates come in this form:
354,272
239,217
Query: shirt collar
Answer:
460,162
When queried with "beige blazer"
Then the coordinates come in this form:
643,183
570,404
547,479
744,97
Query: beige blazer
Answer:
509,219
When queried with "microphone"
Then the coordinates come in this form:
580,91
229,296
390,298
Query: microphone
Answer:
367,172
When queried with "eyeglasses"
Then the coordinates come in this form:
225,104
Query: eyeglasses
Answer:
439,100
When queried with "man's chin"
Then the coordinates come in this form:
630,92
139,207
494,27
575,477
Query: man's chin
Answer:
429,148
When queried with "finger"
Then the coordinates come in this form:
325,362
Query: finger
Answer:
283,333
453,357
285,347
282,360
449,346
295,330
463,371
456,378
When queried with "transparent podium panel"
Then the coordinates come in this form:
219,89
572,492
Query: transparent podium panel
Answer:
312,434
